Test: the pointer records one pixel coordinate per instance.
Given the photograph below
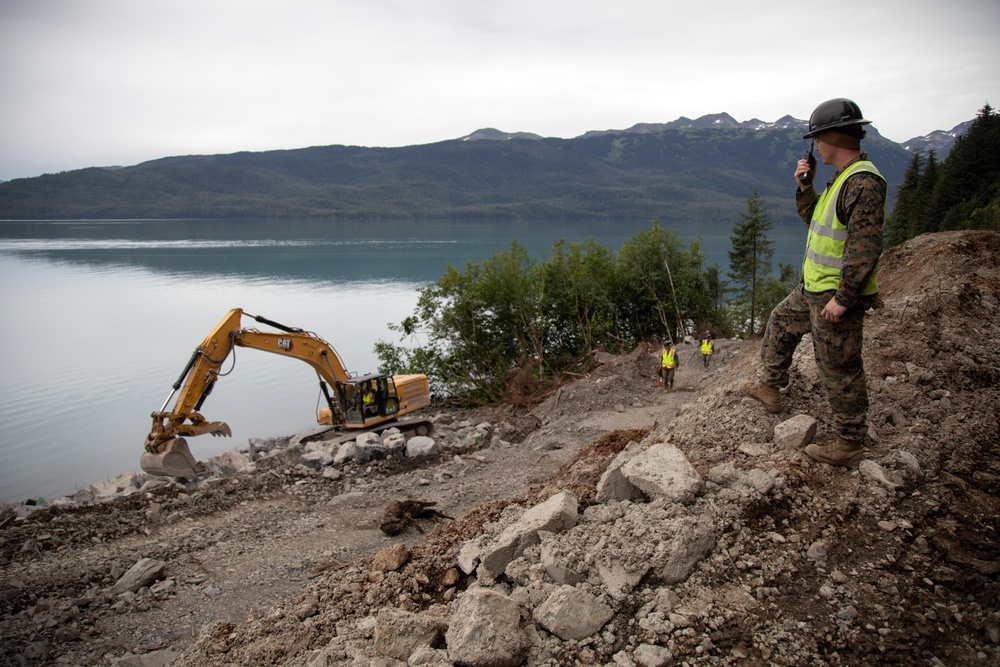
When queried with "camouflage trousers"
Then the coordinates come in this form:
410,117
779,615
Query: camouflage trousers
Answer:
837,346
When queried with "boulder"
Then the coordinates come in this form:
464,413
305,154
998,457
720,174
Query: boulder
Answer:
663,472
399,633
723,474
316,459
103,489
369,447
491,555
280,458
348,451
485,631
613,484
393,444
420,445
572,614
229,462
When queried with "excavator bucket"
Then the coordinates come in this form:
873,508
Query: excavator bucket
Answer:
174,460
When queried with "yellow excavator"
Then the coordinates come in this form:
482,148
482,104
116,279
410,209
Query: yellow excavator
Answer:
353,402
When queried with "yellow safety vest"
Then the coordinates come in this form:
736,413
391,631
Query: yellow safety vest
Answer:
827,234
669,358
707,346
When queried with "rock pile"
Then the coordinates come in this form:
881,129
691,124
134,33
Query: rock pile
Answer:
306,453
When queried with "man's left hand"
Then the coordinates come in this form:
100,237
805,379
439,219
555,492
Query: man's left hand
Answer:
833,311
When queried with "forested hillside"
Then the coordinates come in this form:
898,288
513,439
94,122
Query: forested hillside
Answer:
962,192
669,174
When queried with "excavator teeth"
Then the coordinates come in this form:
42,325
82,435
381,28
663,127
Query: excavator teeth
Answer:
215,428
221,430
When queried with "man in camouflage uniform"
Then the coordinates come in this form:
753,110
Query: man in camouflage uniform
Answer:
842,253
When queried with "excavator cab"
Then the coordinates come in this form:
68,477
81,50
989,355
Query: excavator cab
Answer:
368,398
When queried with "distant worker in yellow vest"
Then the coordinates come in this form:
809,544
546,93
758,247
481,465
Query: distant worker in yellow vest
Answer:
707,348
841,261
668,365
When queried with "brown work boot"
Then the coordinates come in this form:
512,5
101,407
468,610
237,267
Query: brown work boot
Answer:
766,394
840,452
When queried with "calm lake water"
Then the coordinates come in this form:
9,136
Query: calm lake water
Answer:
103,316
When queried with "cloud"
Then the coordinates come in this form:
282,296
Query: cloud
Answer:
113,82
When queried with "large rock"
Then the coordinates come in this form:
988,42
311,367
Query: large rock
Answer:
393,444
692,540
613,484
369,447
281,458
347,452
762,481
470,438
662,472
485,631
391,558
795,433
399,633
492,554
572,614
419,446
103,489
143,573
229,462
316,459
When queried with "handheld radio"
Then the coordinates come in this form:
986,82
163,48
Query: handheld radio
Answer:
807,177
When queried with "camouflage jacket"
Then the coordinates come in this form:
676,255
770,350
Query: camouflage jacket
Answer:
861,207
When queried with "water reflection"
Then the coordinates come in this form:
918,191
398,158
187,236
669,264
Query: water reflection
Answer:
331,251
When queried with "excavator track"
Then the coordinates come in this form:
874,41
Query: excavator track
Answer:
335,435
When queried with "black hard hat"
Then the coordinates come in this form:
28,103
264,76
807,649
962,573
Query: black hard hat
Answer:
833,114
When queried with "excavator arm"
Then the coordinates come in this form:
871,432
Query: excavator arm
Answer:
167,452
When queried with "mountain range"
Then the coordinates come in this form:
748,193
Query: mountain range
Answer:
703,169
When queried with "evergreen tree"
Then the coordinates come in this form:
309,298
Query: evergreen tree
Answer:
962,192
902,222
924,218
750,258
970,176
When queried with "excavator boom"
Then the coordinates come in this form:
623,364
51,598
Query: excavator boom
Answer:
352,402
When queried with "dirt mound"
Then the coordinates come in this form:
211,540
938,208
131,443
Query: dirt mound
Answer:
895,562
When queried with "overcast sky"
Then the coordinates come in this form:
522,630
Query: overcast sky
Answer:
117,82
